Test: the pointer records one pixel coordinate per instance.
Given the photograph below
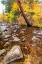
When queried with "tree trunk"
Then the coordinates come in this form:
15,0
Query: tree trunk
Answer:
23,14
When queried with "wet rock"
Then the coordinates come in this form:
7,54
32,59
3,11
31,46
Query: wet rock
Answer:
3,51
34,38
17,34
31,62
4,33
15,25
7,36
5,30
26,49
21,32
24,29
24,39
10,41
13,35
1,62
5,40
16,39
40,32
35,31
12,27
33,44
7,44
39,53
3,27
14,54
38,44
18,26
15,30
9,32
7,26
38,36
40,62
0,33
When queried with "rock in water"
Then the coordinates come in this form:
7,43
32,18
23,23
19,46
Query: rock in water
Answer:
14,54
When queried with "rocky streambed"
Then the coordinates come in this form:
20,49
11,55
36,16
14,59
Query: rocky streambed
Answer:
20,45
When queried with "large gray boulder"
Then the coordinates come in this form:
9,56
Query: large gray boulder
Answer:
14,54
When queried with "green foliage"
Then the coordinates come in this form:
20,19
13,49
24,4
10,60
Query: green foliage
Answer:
8,8
8,4
14,19
31,13
31,1
16,12
3,2
37,0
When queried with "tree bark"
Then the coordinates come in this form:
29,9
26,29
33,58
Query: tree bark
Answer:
23,14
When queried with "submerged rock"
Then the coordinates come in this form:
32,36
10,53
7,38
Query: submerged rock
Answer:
14,54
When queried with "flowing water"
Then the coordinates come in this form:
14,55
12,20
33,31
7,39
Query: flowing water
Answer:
3,26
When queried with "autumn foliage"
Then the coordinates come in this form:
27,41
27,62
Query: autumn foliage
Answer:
32,11
1,17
